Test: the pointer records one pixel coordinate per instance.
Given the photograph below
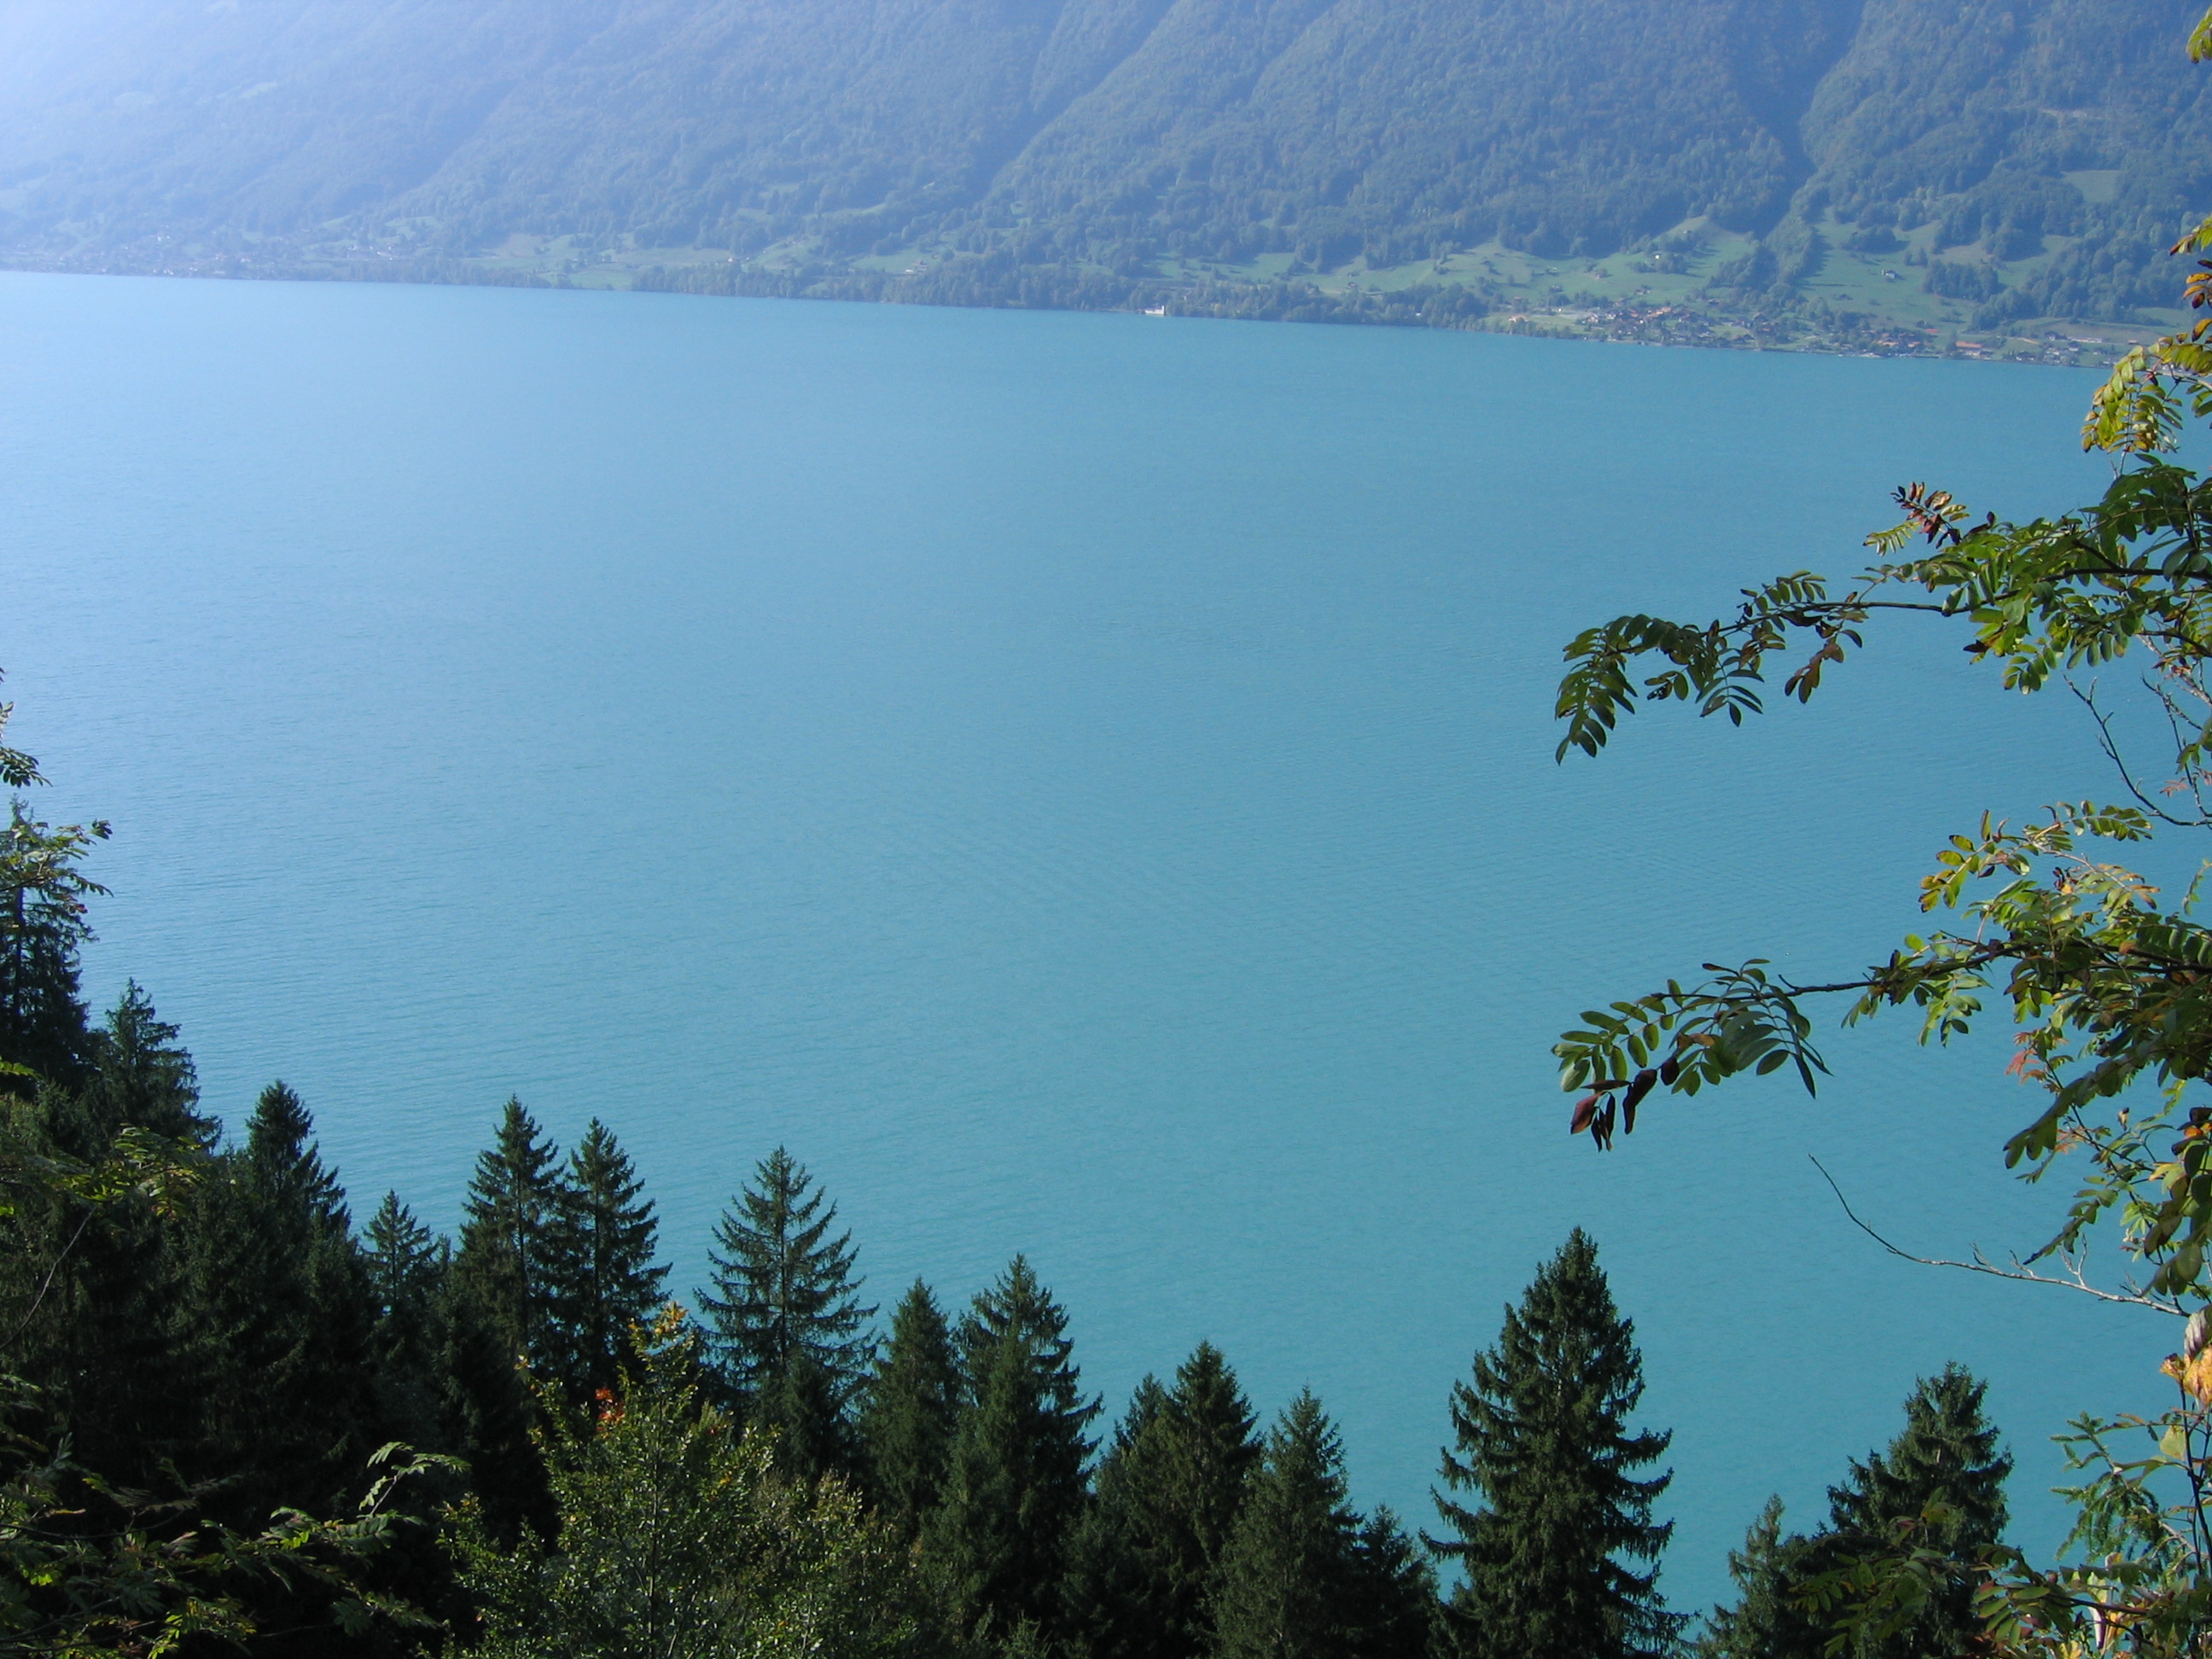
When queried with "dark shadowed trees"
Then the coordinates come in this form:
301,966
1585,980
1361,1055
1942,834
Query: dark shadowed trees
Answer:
1143,1562
43,890
908,1411
1015,1485
1304,1576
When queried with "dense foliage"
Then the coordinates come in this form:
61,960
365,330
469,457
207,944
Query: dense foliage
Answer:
1056,151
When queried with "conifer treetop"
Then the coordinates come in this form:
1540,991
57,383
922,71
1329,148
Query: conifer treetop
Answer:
399,1254
601,1277
280,1147
907,1409
781,1288
1542,1435
511,1193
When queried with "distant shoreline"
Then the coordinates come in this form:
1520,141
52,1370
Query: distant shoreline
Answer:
1703,325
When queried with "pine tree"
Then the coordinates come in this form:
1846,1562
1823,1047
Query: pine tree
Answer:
785,1316
908,1411
89,1293
1302,1576
1015,1486
1542,1434
1949,1456
495,1310
402,1259
102,1280
1766,1621
1110,1595
1280,1578
601,1280
507,1223
1143,1560
486,1415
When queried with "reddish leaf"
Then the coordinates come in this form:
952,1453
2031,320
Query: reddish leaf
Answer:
1637,1090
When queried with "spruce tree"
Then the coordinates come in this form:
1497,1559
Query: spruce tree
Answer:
1143,1560
142,1079
908,1411
402,1259
1110,1600
1948,1455
486,1415
1542,1434
1302,1576
1016,1483
406,1269
285,1160
92,1288
785,1317
276,1316
601,1277
88,1295
507,1225
1390,1606
1766,1621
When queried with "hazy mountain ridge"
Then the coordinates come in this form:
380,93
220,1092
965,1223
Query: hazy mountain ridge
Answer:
2056,141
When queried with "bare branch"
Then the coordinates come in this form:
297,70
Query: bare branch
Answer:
2072,1280
38,1300
2192,776
2112,748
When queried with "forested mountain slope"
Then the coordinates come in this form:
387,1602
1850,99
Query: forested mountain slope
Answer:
2028,157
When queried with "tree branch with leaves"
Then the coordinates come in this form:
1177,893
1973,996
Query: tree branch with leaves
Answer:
2108,989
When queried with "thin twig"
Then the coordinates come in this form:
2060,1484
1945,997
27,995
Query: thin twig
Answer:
2112,749
2192,775
39,1299
2074,1281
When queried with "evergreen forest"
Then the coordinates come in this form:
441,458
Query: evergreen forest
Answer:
1882,171
241,1410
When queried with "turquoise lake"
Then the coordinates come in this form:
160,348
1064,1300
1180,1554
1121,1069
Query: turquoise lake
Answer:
1085,783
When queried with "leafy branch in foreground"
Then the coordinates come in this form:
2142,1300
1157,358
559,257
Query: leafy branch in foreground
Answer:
2134,1585
680,1539
87,1567
2110,991
2107,988
90,1565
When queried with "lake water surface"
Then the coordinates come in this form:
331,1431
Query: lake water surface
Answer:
1082,782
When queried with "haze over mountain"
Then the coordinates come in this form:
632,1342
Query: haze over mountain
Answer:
2046,149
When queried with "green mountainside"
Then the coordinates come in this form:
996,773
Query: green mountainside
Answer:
1880,173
